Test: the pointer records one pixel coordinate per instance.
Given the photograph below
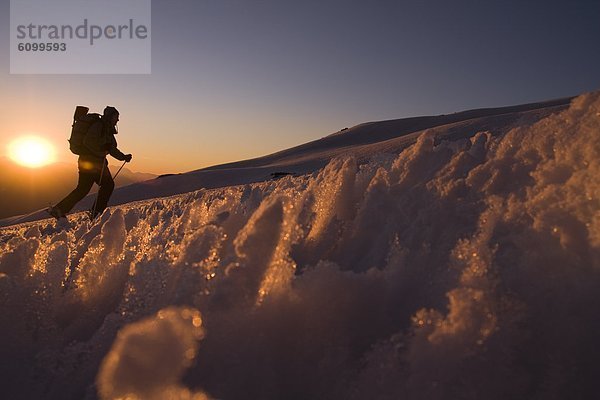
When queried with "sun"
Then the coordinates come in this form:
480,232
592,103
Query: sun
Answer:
31,151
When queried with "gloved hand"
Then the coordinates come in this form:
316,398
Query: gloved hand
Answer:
128,157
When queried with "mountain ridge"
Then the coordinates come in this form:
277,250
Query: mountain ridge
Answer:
361,141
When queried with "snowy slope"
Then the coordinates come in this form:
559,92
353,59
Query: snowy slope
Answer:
459,268
361,141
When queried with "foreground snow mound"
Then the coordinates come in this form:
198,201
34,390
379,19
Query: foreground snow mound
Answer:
149,357
465,269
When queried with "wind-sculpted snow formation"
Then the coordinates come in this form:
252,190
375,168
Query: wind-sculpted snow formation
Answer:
466,269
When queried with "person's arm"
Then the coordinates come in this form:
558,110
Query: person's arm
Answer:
116,153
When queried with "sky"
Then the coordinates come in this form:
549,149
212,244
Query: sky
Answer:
235,79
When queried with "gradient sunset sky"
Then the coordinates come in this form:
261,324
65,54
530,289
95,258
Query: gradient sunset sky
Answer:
238,79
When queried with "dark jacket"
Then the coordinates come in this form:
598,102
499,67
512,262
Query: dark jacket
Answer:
99,141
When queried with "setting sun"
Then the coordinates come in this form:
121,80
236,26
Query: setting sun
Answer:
31,151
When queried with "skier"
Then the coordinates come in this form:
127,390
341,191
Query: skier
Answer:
99,141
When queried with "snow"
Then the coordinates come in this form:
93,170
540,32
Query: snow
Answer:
461,263
130,369
361,141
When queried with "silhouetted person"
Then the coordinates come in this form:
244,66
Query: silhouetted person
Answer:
93,167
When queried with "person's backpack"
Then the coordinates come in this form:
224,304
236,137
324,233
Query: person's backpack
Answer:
82,121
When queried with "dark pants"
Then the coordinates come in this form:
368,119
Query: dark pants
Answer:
84,185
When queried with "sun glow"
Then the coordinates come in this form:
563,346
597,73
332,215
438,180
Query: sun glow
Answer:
31,151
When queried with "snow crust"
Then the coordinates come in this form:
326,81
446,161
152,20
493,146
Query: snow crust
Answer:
149,357
456,269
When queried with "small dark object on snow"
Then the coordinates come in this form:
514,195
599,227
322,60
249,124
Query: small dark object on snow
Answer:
279,175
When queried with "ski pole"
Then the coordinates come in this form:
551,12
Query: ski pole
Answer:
115,176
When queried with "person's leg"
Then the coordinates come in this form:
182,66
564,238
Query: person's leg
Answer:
107,186
84,185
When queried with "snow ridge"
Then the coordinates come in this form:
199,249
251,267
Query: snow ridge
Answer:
456,269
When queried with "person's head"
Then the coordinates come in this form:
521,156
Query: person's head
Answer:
111,114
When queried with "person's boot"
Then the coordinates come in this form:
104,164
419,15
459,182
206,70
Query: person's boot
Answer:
56,212
93,214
